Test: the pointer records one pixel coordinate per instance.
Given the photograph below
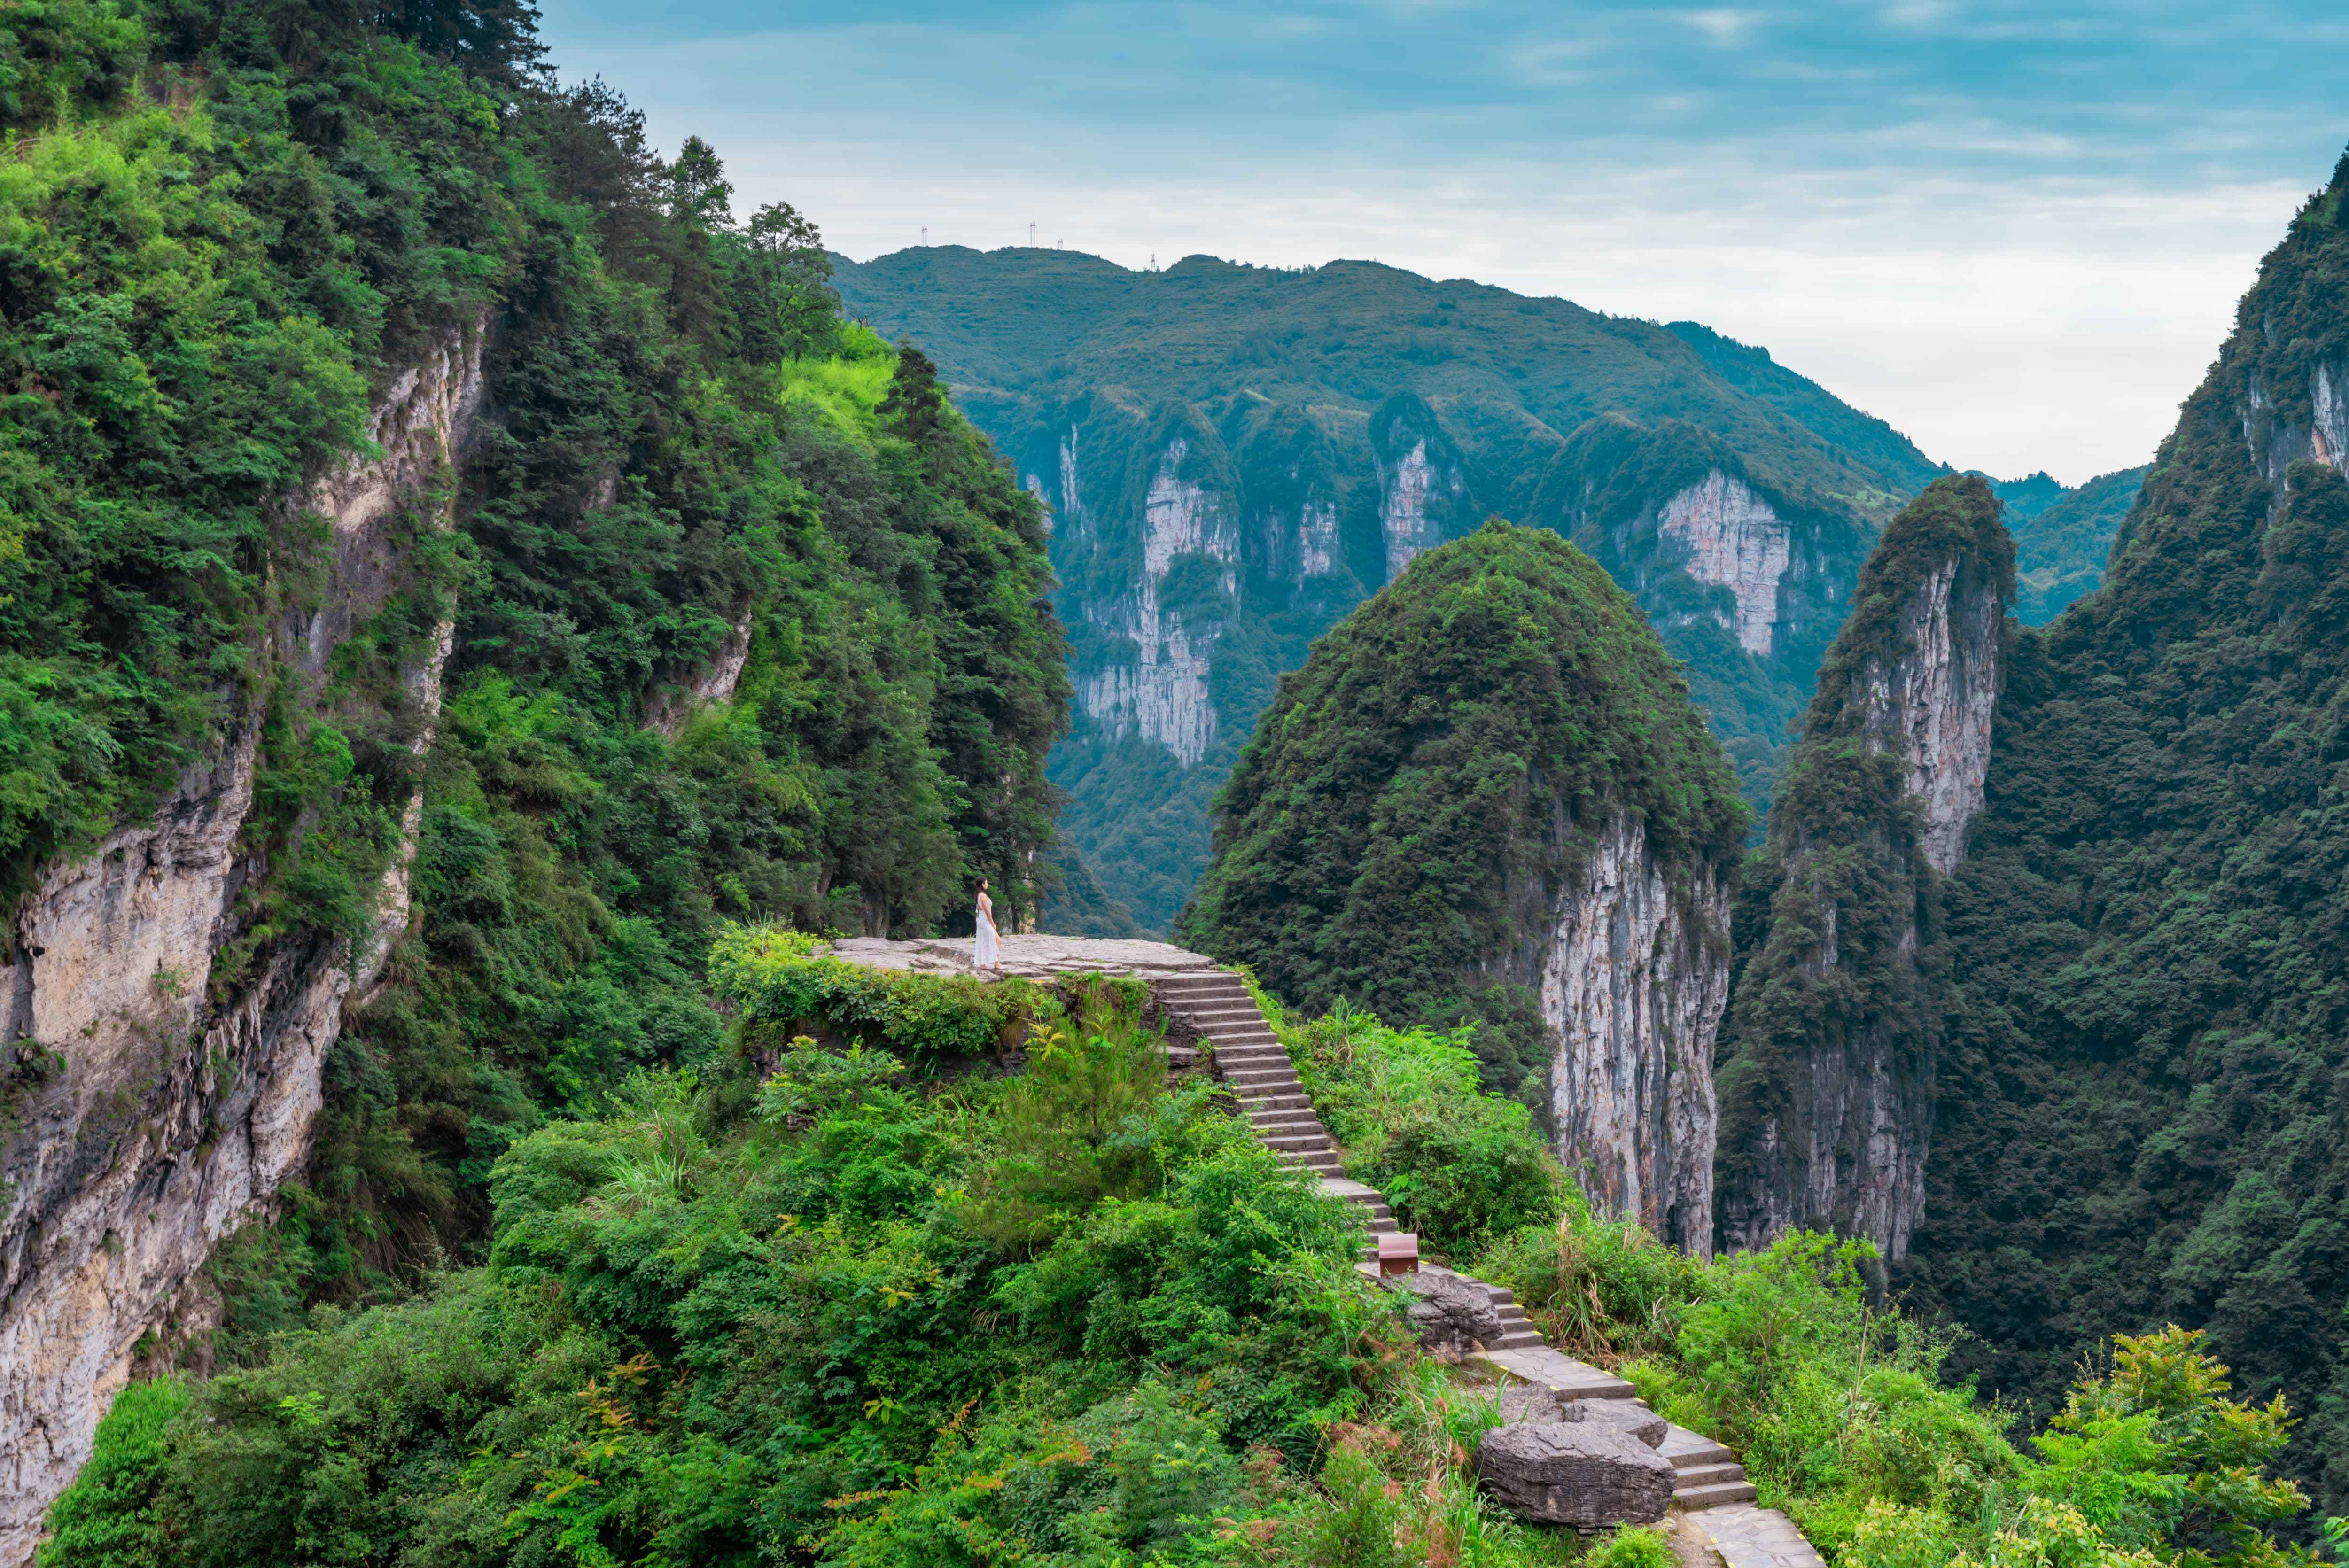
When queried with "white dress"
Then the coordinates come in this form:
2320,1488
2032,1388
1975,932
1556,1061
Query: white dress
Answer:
982,949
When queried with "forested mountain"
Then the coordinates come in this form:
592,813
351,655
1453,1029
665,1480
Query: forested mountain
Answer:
2111,1033
450,562
1236,456
2141,1097
1828,1057
1487,795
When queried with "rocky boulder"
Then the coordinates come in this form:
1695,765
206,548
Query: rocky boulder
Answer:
1591,1474
1630,1417
1452,1312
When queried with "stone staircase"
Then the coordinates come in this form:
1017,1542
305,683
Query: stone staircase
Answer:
1250,1059
1252,1062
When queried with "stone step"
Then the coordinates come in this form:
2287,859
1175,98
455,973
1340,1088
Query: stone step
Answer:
1714,1496
1695,1478
1298,1142
1295,1099
1518,1339
1267,1051
1271,1080
1705,1451
1288,1116
1221,1010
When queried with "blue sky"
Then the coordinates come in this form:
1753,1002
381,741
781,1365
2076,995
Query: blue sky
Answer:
2015,231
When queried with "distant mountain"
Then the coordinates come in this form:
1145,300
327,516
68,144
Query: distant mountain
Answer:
2059,552
1237,455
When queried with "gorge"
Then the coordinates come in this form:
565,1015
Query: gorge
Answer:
484,628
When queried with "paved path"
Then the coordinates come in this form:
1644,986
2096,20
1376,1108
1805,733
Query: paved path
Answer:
1714,1498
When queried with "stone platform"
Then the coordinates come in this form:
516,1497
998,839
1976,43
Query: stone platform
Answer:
1032,957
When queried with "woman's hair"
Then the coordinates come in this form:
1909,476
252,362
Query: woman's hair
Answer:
982,884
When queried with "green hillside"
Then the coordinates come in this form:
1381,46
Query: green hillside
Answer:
229,228
2142,1094
1333,421
2059,552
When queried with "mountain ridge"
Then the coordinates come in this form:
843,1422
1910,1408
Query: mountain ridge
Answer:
1238,454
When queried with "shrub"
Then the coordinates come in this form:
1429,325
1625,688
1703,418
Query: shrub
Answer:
1631,1546
109,1519
1460,1166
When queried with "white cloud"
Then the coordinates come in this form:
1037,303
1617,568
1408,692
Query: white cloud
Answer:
2015,281
1726,29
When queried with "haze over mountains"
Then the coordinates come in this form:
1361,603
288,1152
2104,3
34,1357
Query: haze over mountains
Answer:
1236,456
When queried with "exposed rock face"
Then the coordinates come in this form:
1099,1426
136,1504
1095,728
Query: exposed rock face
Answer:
1632,982
1405,523
171,1114
670,706
1162,695
1931,702
1588,1474
2279,435
1828,1073
1735,541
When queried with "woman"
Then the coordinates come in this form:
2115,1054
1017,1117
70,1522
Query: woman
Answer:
982,947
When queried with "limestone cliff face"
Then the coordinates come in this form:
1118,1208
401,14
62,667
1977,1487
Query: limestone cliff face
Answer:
1735,541
2280,429
1161,692
1829,1063
1422,486
173,1107
1632,973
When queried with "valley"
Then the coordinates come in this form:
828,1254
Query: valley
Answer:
1734,995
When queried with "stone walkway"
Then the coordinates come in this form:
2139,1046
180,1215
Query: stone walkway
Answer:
1712,1498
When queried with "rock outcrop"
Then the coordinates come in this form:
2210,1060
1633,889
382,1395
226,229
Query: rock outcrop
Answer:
1588,1474
175,1101
1180,573
1451,1312
1828,1066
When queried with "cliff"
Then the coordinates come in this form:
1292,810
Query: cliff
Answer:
2140,1117
1485,795
1828,1066
170,1107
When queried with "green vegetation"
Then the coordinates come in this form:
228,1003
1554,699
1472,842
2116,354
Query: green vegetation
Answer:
819,1304
2140,1099
2059,552
1442,759
1297,397
230,227
814,1304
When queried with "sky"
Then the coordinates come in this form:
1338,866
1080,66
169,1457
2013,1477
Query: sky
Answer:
2015,231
